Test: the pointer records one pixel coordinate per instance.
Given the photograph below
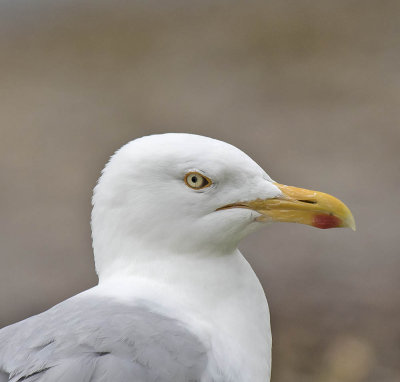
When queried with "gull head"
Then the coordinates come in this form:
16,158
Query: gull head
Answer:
189,194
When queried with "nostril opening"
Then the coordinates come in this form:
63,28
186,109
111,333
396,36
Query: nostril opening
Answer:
308,201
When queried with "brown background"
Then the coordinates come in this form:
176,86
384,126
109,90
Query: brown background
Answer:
309,89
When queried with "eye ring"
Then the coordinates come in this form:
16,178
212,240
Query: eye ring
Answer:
197,181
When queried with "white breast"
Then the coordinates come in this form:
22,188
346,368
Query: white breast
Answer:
219,298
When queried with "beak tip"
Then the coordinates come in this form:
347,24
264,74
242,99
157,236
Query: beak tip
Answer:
349,221
352,224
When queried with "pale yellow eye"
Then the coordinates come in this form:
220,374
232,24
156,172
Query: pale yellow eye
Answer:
197,181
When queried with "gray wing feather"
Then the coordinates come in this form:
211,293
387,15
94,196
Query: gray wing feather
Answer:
100,340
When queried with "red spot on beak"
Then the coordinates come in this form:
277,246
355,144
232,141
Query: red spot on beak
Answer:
325,221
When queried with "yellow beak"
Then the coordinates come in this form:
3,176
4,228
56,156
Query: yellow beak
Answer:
298,205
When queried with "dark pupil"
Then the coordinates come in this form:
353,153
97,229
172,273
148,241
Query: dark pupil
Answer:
194,179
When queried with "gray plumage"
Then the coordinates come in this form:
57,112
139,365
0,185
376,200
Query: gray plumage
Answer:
100,340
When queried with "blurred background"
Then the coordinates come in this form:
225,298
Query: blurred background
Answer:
310,89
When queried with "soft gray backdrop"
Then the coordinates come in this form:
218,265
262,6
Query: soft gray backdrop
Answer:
310,89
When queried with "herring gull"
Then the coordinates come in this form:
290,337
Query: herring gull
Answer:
176,300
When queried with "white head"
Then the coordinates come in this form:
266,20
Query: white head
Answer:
148,200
